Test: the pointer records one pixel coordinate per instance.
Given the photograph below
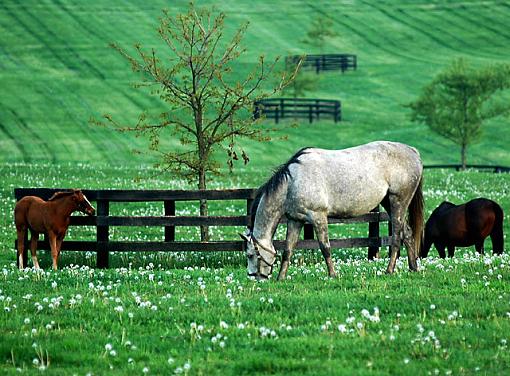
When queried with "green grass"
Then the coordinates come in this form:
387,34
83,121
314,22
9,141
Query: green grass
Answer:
200,309
57,72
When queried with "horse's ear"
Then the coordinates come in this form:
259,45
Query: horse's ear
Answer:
245,237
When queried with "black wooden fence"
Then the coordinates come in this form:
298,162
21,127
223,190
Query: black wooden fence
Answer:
458,167
324,62
280,108
103,221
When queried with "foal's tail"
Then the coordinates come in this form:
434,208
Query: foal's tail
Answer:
415,219
497,230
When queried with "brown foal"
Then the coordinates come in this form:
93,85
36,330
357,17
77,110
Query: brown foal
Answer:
51,217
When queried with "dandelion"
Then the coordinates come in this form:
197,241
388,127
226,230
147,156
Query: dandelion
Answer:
145,370
108,347
170,360
342,328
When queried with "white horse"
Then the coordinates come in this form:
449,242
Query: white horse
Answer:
316,184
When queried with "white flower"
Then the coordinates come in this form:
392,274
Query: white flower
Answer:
342,328
54,285
223,325
27,321
432,306
170,360
108,347
145,370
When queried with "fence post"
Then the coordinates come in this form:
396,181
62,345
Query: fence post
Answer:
308,231
390,233
373,232
249,203
103,210
169,230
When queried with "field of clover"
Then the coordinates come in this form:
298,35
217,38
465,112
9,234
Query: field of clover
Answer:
198,313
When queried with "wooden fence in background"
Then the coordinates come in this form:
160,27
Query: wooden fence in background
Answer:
280,108
103,221
458,167
324,62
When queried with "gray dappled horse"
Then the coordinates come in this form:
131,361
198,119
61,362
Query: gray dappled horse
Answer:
317,183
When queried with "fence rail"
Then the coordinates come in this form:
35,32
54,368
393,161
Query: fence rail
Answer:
280,108
324,62
102,245
458,167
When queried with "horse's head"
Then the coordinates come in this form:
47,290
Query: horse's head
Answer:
260,258
83,203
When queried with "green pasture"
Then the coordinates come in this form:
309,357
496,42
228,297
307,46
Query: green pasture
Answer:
57,72
198,313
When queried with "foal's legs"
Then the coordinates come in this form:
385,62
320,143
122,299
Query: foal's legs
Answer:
21,232
33,248
293,231
54,249
320,226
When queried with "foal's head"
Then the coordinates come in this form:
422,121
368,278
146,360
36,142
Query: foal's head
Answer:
82,202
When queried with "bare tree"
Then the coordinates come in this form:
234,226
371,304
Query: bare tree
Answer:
209,105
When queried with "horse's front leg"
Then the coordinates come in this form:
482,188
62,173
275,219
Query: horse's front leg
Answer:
479,247
54,249
440,249
293,231
320,226
451,250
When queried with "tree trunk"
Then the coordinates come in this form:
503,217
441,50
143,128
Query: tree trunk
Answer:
204,230
463,150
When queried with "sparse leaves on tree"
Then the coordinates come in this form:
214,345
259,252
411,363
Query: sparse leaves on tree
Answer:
209,106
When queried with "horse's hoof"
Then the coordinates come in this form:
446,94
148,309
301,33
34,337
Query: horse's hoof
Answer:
389,271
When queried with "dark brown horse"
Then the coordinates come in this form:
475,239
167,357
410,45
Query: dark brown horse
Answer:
49,217
451,226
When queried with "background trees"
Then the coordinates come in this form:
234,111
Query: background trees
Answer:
460,100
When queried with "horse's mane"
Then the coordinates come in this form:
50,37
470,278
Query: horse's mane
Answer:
281,174
59,195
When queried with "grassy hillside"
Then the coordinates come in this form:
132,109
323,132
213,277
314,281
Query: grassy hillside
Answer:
57,71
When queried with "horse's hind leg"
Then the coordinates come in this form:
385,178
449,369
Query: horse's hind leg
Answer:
320,226
21,232
33,248
479,247
293,231
497,238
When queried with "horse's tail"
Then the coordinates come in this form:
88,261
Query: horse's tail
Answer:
497,230
415,218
